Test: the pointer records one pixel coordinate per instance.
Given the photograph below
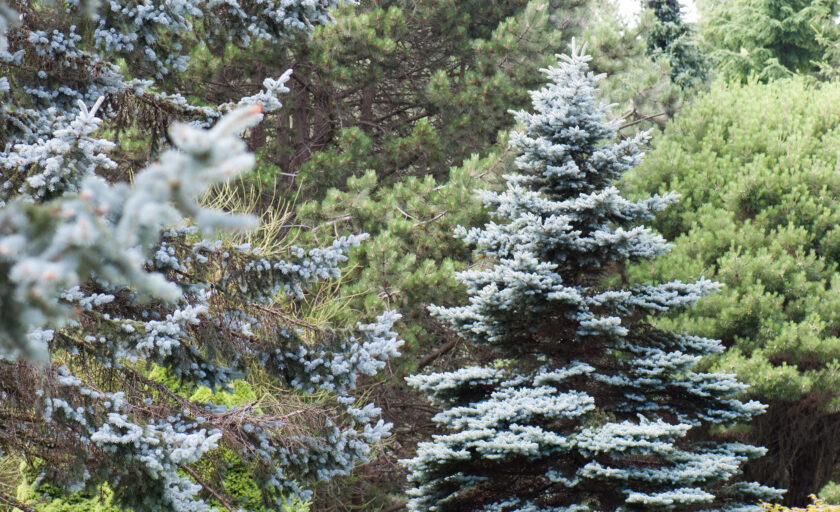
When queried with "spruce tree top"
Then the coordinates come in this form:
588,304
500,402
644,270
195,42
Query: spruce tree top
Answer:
590,408
563,222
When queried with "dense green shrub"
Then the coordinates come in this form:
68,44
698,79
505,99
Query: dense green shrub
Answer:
758,168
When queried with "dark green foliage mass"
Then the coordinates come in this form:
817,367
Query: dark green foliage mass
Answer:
757,167
673,39
768,38
408,88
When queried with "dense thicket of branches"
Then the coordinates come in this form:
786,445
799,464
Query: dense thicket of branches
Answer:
148,335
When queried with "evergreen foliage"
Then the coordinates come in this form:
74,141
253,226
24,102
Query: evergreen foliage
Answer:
66,53
637,82
672,38
757,166
132,54
100,501
406,265
588,407
205,334
102,283
768,39
49,249
410,259
161,350
409,88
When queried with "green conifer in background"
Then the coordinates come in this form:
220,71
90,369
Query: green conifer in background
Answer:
768,39
638,82
673,39
407,88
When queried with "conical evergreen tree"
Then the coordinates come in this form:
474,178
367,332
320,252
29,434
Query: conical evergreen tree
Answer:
121,326
671,37
587,407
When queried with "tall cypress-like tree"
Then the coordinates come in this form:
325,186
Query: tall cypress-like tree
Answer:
671,37
587,406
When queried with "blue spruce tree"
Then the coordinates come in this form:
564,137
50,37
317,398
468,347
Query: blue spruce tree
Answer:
588,407
116,312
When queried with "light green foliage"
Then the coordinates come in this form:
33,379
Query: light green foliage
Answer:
241,394
238,393
768,39
409,261
638,84
757,167
101,501
238,482
238,479
831,493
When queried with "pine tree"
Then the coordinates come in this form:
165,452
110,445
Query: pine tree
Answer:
134,54
588,407
407,264
637,83
410,259
79,303
760,214
408,88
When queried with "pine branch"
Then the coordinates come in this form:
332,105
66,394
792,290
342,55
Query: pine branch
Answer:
640,120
